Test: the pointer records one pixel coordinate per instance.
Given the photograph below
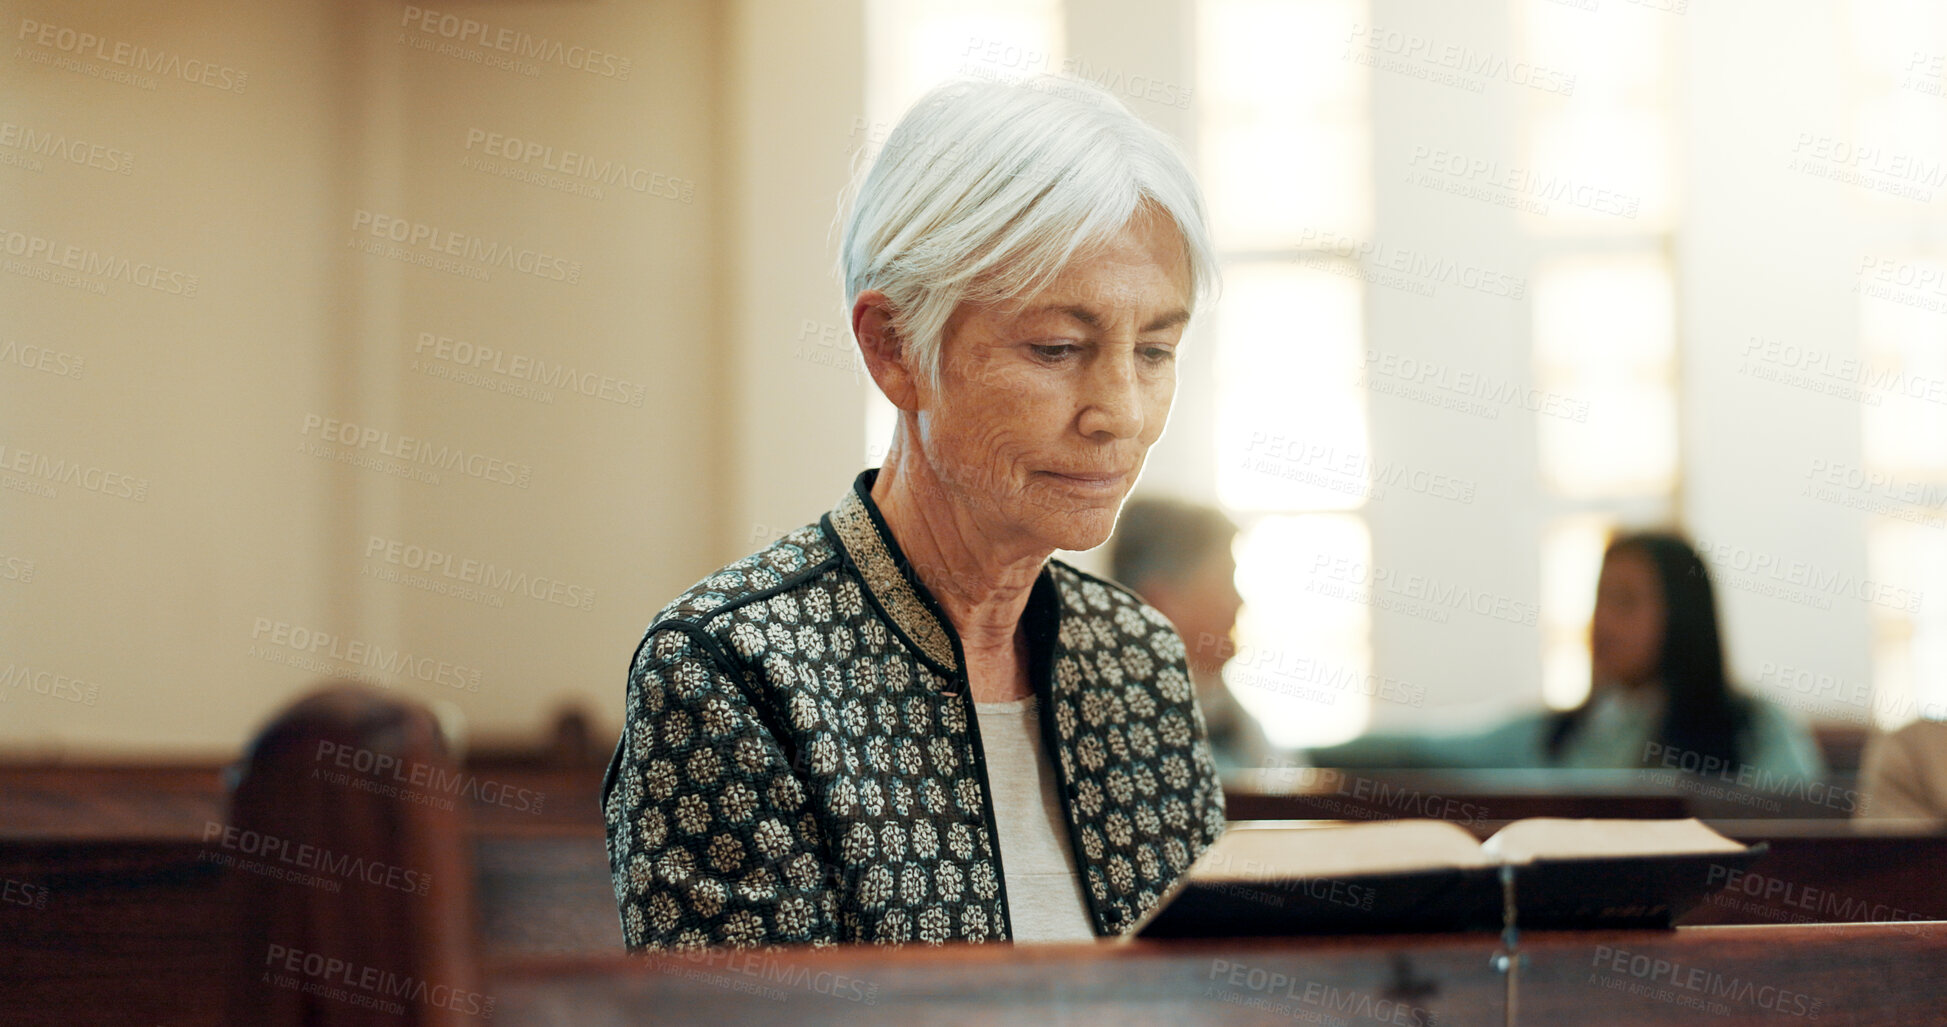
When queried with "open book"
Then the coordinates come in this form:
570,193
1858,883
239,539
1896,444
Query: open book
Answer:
1300,877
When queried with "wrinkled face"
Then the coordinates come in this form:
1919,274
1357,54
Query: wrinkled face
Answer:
1047,407
1626,635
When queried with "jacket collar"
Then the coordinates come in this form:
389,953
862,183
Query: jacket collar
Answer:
894,587
889,579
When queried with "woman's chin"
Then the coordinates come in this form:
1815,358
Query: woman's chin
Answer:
1084,529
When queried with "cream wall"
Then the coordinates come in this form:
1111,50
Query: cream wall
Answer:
145,600
180,615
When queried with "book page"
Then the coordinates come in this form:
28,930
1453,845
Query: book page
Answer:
1278,851
1560,838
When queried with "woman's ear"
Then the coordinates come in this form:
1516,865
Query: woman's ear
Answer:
886,354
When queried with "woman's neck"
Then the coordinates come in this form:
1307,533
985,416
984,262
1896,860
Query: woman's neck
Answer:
980,578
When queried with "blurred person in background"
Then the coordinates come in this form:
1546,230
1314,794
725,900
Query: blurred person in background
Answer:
1177,556
1903,774
1659,694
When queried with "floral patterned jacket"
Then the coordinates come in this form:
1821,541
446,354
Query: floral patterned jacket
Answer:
800,763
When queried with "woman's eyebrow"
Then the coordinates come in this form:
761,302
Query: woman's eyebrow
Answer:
1094,320
1169,320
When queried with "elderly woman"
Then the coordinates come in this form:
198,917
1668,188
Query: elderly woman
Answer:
907,721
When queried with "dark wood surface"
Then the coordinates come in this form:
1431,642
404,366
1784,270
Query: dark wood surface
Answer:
1828,975
179,801
155,801
129,916
123,931
146,917
1472,796
1831,872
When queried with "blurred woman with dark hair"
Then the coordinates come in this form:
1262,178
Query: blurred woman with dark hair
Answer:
1659,695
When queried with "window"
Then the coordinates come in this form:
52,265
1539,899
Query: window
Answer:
1602,201
1285,148
1897,80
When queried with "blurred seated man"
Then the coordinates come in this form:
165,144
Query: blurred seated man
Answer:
1659,694
1177,556
1904,774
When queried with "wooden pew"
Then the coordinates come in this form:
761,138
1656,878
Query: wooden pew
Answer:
544,890
171,800
1830,872
1461,796
1841,744
146,916
177,800
1475,796
129,893
122,931
1706,975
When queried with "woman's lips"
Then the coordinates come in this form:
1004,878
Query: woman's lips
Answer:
1097,482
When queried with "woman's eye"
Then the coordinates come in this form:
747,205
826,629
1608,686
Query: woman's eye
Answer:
1053,352
1158,354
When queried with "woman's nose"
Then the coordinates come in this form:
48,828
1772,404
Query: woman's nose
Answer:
1114,403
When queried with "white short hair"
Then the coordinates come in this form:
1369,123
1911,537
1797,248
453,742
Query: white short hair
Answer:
985,191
